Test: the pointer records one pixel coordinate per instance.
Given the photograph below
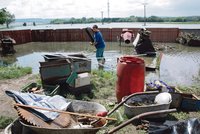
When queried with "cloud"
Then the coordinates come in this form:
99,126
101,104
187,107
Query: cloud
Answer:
93,8
174,8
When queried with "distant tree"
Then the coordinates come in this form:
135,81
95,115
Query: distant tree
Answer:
91,20
34,24
6,17
140,19
57,21
126,19
72,20
2,16
9,19
154,19
178,19
24,24
133,19
83,19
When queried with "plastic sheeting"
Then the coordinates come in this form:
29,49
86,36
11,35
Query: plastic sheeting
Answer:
56,102
190,126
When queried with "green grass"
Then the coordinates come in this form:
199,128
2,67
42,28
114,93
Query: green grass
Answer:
103,83
9,72
103,87
103,92
5,121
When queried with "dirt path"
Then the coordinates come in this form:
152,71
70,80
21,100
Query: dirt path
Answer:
6,107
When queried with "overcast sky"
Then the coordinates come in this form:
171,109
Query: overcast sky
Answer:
93,8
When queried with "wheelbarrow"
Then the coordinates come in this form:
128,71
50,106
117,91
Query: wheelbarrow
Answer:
16,125
20,127
134,114
180,102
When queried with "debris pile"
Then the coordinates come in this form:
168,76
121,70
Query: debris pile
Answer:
41,112
143,44
7,45
189,39
71,72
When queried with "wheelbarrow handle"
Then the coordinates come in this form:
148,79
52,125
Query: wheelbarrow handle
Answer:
64,112
138,117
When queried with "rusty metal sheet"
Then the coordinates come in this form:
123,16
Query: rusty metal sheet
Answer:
63,120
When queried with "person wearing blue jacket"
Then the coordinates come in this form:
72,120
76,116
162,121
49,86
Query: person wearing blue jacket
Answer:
99,43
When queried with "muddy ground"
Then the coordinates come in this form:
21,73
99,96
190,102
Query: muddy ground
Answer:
6,103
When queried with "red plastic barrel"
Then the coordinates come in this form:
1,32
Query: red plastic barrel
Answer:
130,76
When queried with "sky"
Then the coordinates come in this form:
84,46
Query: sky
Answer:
97,8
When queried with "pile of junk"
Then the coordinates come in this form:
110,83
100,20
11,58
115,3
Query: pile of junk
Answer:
189,39
43,108
143,43
146,105
41,114
7,45
62,74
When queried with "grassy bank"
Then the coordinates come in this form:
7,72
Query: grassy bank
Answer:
9,72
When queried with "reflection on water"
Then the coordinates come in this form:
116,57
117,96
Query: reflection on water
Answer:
182,66
178,66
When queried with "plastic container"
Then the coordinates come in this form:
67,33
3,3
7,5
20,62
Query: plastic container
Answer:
131,76
82,80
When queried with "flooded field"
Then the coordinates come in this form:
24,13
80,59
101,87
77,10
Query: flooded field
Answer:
19,25
179,65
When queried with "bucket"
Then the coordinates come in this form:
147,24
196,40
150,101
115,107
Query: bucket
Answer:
130,76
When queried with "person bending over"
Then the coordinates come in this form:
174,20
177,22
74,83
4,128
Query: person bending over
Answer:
99,43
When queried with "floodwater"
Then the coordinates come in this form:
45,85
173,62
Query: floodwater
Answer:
18,26
179,65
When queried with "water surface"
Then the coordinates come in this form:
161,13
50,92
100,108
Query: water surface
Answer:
19,26
179,65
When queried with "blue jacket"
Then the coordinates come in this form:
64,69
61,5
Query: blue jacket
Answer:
98,38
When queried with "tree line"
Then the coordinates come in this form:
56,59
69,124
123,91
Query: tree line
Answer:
6,17
127,19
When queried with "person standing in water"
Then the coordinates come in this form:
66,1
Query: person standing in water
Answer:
100,45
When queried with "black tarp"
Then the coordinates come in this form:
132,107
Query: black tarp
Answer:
190,126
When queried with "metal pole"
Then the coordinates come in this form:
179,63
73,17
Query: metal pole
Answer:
142,115
108,9
102,17
144,13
